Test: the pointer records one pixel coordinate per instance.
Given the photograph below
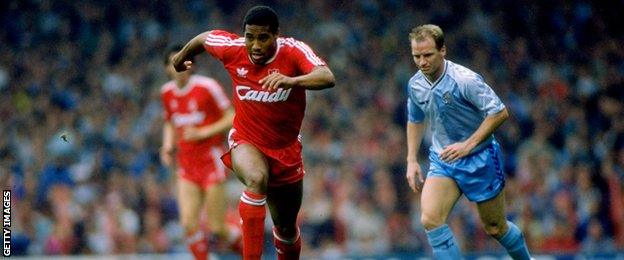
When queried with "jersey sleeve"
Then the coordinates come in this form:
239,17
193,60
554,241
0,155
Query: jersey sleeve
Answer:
305,58
481,95
218,95
218,43
414,113
166,113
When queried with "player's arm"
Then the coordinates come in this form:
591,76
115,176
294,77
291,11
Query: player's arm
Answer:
481,95
487,127
221,125
319,78
415,133
168,144
182,59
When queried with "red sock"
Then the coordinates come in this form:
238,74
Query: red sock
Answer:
252,213
287,250
198,245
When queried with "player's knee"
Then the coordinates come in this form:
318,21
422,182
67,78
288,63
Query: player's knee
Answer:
495,229
430,222
257,181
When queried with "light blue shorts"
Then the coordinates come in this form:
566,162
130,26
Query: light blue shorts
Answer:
479,175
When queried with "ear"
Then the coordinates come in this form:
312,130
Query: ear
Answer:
443,50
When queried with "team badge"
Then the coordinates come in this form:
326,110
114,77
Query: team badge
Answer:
271,71
447,97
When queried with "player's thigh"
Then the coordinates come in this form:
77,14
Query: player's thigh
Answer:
439,195
190,199
251,167
284,203
216,205
492,214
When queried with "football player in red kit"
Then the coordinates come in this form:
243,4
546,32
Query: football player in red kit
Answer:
270,75
197,114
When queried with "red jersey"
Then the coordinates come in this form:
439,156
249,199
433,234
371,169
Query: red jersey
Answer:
201,102
269,119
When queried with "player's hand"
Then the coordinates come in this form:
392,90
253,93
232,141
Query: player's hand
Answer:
276,80
191,133
166,155
179,64
455,151
414,176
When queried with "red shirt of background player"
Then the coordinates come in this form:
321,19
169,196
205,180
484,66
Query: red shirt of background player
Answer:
201,102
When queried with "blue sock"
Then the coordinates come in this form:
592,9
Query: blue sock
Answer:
514,242
443,243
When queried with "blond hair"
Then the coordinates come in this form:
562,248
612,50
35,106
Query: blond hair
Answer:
421,32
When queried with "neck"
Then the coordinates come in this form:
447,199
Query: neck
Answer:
433,77
181,82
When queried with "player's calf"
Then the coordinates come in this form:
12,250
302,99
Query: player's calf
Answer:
252,212
514,243
443,243
287,248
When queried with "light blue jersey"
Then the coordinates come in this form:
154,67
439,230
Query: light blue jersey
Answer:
455,105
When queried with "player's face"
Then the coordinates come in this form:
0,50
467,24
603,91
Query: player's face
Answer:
260,42
427,57
173,74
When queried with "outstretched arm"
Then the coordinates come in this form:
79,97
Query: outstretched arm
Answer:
182,59
319,78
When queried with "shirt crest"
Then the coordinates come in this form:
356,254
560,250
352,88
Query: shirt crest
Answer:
447,97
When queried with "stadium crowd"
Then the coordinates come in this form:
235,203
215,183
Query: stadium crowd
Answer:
93,70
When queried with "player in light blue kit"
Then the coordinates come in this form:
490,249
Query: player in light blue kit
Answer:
463,112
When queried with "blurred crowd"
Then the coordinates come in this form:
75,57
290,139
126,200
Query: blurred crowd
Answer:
92,70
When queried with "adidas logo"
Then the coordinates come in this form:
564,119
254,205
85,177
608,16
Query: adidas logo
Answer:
242,72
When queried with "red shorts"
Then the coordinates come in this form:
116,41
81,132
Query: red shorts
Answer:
202,168
285,164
